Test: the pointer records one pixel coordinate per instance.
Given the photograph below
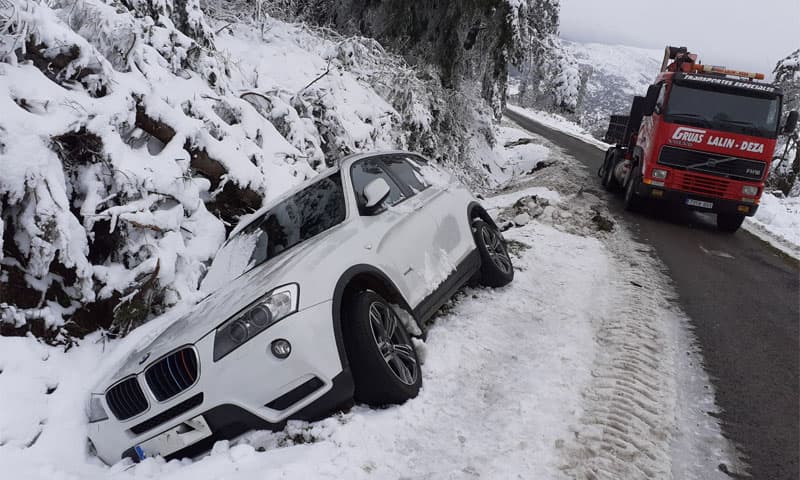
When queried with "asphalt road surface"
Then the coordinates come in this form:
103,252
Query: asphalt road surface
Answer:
743,299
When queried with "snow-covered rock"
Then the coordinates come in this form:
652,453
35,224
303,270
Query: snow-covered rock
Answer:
522,219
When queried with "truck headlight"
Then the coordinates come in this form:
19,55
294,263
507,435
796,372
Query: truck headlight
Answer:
269,310
95,411
749,191
659,174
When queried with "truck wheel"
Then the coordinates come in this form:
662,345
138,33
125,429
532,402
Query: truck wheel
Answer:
382,356
729,222
632,200
606,167
609,181
496,268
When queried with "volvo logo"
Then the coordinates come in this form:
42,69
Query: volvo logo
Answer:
144,359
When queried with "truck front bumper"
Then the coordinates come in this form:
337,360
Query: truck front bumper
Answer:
693,201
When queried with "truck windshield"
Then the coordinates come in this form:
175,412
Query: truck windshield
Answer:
307,213
732,112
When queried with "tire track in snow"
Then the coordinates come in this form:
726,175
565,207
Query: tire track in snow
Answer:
628,417
647,412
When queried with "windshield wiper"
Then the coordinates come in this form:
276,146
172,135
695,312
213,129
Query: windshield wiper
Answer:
692,117
753,128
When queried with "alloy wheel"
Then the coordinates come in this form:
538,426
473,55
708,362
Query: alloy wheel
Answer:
496,248
393,344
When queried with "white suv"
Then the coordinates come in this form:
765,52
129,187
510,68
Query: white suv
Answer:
313,300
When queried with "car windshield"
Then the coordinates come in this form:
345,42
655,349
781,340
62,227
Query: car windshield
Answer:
732,112
305,214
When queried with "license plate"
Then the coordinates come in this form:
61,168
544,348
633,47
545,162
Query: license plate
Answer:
175,439
699,203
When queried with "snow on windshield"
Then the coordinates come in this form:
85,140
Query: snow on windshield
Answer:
305,214
430,174
235,258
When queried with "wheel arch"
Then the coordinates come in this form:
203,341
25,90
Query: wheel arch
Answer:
637,157
355,279
476,210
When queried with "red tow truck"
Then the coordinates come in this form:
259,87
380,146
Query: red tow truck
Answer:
702,138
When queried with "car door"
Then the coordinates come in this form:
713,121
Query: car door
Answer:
442,198
396,232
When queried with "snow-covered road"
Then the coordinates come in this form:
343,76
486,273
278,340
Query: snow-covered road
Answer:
581,368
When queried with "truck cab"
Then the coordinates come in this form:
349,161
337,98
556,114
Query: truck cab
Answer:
703,139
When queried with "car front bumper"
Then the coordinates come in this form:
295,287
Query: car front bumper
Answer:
248,389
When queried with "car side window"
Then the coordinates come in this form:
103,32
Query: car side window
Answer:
365,171
406,172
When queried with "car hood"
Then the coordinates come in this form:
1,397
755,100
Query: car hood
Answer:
213,310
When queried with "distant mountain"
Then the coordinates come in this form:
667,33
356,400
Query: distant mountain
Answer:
612,75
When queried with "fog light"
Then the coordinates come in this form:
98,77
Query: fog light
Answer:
749,191
281,348
657,193
744,209
659,174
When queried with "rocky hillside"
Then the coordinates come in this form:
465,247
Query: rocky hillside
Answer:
787,75
612,75
785,175
135,133
467,48
546,75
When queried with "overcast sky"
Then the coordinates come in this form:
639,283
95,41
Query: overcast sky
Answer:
739,34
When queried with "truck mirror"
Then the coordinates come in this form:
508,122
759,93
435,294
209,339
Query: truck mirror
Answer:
651,99
791,122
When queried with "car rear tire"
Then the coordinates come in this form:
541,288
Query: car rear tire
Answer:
496,267
729,222
382,356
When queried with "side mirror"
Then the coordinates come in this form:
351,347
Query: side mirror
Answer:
376,192
791,122
651,99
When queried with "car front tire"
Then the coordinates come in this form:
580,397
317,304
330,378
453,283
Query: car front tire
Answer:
382,356
496,267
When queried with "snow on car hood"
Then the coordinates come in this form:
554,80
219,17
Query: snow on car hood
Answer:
219,306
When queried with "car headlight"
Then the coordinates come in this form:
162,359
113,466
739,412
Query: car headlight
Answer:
269,310
95,411
749,191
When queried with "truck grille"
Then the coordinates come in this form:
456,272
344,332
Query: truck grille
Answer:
126,399
722,165
172,374
714,187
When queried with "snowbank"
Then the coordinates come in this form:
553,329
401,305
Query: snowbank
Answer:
777,221
497,388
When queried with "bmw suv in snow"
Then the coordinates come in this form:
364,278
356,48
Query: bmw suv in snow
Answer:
315,299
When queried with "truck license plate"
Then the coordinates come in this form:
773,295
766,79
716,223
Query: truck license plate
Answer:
175,439
699,203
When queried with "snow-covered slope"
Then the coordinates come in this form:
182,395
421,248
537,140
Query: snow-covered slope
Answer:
613,74
555,376
133,135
